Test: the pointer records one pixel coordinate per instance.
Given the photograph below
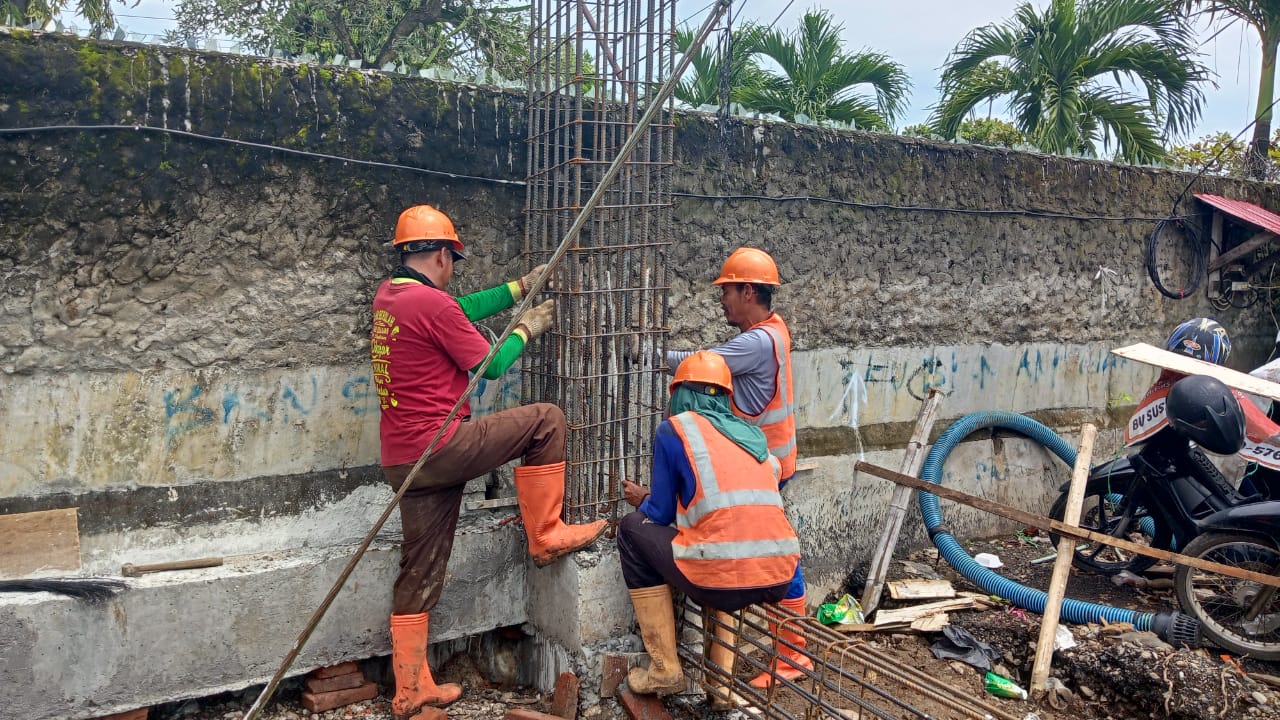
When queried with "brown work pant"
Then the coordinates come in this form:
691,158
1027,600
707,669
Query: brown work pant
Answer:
429,509
644,547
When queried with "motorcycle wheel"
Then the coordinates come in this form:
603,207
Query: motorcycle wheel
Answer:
1104,505
1221,603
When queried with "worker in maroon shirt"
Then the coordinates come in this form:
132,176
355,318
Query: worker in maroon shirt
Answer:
423,345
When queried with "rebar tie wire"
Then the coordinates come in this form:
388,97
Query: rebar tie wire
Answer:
570,236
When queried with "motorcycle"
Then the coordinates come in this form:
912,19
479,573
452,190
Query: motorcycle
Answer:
1170,495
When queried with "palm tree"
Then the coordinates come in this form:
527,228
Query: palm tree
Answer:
1264,16
1066,69
701,84
821,82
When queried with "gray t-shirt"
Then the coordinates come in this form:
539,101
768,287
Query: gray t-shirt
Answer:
754,365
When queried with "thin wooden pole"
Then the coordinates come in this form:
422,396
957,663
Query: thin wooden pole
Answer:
1033,520
912,459
1062,566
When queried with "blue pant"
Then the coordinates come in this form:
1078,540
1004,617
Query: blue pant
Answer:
796,589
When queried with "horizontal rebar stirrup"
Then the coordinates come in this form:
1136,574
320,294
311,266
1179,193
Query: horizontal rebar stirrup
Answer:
849,678
537,284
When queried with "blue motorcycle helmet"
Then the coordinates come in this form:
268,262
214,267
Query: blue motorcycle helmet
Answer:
1202,339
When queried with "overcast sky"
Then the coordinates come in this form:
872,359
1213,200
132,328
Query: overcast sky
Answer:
919,34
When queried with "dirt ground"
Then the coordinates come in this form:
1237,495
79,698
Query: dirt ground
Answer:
1113,673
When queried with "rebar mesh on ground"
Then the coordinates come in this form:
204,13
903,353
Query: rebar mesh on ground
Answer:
849,680
594,65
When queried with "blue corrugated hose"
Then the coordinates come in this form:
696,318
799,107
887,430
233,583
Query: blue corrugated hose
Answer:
1074,611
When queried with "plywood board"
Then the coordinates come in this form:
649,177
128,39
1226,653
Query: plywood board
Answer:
921,589
36,541
1161,358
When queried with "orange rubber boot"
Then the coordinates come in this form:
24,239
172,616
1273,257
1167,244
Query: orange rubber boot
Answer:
416,689
792,660
540,492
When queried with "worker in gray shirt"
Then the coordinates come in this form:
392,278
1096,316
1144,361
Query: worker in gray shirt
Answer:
760,360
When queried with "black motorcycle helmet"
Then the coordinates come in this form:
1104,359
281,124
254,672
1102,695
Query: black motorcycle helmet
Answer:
1204,410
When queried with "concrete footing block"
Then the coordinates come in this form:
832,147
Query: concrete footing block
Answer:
224,629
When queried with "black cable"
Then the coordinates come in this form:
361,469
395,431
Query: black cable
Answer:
697,196
1198,254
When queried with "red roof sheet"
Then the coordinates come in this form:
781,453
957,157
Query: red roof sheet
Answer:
1245,211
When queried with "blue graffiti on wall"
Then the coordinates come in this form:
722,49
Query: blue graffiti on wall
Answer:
190,408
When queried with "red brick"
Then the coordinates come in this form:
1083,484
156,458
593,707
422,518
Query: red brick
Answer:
337,682
523,714
643,707
139,714
345,668
565,702
320,702
430,713
612,673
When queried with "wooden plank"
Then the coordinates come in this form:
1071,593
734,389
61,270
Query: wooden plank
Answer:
915,612
921,589
932,623
912,459
1161,358
1062,565
1033,520
1212,288
1242,249
35,541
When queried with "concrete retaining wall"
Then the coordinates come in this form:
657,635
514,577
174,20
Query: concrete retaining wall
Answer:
184,325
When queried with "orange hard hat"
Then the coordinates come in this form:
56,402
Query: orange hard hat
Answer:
707,368
423,223
749,265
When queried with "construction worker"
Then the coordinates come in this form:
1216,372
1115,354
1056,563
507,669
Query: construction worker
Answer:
731,544
423,345
760,359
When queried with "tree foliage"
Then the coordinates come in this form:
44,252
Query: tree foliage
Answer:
1264,17
1221,154
99,13
1067,70
465,35
819,80
703,81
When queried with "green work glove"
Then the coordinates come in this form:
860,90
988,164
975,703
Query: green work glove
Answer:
538,319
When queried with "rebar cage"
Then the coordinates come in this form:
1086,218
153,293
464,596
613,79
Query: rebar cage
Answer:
850,679
594,66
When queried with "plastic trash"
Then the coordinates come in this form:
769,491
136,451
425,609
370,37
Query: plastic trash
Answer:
1063,639
987,560
957,643
1003,687
846,611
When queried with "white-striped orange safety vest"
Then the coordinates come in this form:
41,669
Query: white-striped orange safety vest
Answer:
734,533
778,420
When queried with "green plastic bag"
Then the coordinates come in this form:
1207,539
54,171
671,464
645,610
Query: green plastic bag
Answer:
846,611
1003,687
